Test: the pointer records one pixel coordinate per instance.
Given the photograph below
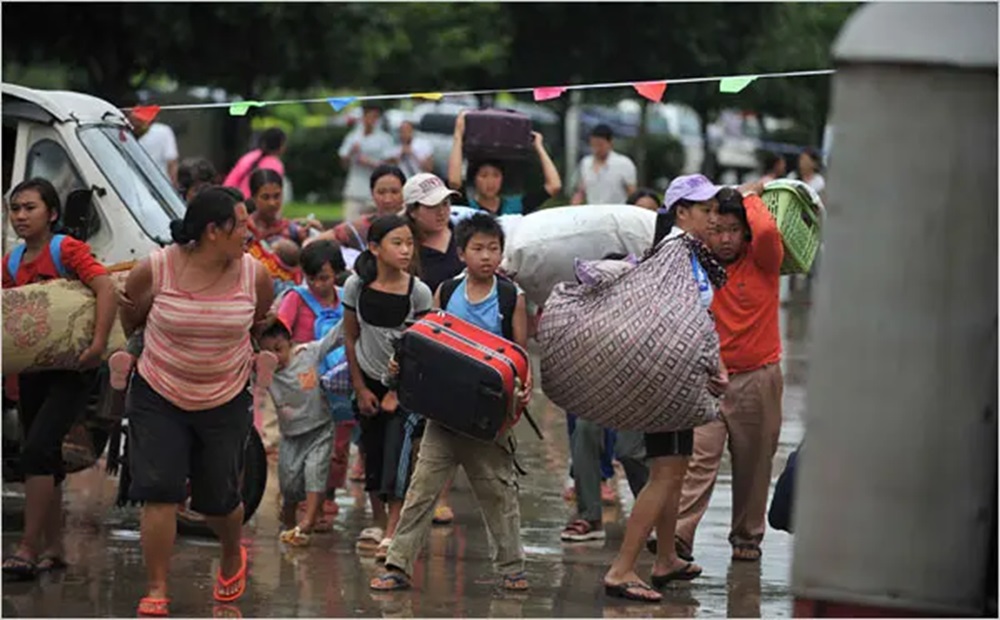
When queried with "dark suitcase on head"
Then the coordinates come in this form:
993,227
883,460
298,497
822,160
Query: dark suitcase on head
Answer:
497,134
463,377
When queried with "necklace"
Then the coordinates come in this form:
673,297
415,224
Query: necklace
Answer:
184,268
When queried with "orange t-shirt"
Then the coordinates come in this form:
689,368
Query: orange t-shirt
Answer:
746,308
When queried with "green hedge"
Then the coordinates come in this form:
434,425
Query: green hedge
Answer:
312,163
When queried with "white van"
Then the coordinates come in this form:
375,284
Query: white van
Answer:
113,194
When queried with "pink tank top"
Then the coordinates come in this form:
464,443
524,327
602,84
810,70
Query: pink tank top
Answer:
197,349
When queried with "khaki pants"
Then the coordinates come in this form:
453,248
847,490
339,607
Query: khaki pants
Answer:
751,420
491,473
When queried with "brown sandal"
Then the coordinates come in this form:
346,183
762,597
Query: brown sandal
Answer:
746,552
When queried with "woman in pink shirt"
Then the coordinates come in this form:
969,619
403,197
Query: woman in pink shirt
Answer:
271,147
189,406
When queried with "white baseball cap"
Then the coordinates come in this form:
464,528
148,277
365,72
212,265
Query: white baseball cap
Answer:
426,189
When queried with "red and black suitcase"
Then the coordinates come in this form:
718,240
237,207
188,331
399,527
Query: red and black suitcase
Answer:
497,134
461,376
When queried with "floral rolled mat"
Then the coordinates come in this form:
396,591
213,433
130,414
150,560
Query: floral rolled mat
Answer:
47,326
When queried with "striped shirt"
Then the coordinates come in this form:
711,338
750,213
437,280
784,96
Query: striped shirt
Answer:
197,347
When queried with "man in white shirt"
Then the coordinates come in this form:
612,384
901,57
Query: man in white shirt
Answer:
413,155
604,176
161,144
362,151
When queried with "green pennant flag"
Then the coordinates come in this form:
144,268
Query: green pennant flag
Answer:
733,85
240,108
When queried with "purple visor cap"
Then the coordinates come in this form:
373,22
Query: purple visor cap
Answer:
693,187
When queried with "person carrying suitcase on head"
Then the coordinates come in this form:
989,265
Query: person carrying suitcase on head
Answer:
487,175
494,304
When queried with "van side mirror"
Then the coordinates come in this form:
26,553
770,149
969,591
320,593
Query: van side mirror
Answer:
79,216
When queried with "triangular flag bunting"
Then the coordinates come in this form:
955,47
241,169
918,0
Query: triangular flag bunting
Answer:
339,103
651,90
428,96
733,85
545,93
240,108
146,113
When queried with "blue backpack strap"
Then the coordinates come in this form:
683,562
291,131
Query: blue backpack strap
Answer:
309,298
14,260
55,249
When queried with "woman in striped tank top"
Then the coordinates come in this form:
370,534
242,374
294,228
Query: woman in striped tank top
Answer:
189,406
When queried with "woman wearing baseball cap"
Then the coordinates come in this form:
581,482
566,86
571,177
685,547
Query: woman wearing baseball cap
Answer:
690,207
428,208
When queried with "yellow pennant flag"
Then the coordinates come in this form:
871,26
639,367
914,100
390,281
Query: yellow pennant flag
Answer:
428,96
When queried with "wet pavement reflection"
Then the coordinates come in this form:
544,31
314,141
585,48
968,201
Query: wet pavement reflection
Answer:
453,578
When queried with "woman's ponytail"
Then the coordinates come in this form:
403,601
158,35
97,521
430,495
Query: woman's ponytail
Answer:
178,233
366,267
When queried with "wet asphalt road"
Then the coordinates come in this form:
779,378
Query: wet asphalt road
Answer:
453,578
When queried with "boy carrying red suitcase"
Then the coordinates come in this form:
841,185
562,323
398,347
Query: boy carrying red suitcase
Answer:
478,297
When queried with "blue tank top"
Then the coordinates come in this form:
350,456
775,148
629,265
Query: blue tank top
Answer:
484,314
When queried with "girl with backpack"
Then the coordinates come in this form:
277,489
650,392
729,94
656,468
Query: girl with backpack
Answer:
378,301
50,401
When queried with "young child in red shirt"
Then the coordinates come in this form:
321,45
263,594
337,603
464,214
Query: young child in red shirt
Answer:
50,401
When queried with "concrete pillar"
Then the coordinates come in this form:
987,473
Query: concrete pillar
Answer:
897,485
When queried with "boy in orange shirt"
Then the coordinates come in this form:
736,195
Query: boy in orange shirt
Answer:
748,242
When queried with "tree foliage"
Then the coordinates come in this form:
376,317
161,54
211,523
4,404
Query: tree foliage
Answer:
253,49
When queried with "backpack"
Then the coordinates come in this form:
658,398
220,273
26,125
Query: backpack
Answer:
335,376
506,300
55,249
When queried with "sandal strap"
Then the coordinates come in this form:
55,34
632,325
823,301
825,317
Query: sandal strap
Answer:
580,526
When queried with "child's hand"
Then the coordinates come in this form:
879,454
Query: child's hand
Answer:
367,402
717,385
124,301
391,402
91,357
529,387
393,367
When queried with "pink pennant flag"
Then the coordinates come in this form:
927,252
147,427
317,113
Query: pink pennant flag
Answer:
651,90
545,93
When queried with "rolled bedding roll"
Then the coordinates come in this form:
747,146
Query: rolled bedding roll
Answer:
47,326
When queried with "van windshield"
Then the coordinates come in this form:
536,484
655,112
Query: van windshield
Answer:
143,188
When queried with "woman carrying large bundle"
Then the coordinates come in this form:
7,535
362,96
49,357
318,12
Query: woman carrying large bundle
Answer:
189,405
679,275
50,401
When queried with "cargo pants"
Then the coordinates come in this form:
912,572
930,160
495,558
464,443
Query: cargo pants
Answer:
491,472
751,422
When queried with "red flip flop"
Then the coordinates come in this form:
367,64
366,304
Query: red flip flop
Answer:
150,607
222,583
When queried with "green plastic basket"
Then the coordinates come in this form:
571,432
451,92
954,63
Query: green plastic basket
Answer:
798,211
